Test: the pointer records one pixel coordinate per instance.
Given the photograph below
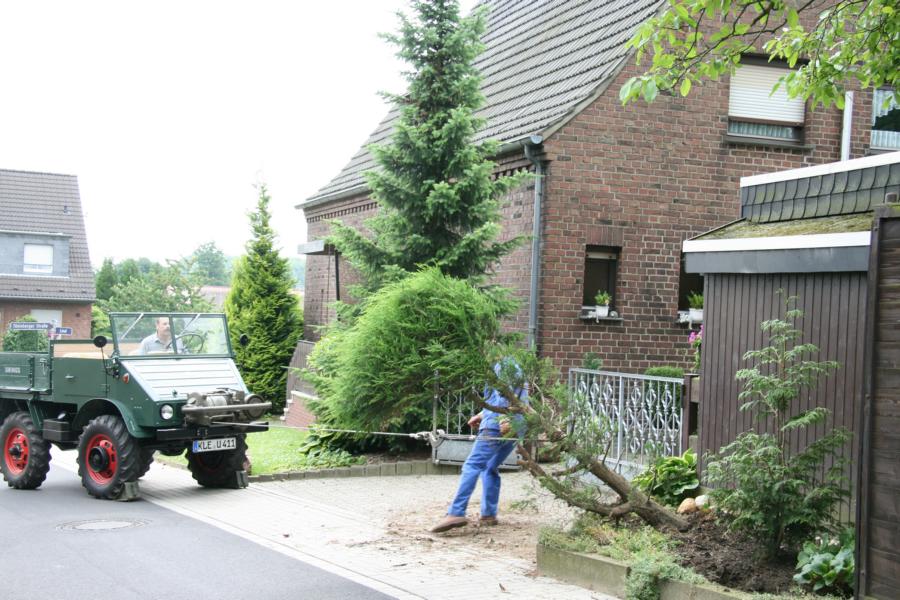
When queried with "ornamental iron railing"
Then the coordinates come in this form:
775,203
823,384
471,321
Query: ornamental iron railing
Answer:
636,417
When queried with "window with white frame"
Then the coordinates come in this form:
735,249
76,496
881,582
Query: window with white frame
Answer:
885,120
38,258
755,111
46,315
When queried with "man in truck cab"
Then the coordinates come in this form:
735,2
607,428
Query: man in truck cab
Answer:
161,341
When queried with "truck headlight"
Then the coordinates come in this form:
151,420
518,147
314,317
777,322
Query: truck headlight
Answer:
166,411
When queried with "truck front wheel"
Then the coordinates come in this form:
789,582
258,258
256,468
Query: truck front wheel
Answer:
26,455
108,457
219,469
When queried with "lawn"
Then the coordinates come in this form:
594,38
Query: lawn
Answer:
278,451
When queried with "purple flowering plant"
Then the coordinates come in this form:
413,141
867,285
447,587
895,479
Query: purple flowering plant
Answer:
696,342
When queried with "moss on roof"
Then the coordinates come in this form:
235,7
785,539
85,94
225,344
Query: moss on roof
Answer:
836,224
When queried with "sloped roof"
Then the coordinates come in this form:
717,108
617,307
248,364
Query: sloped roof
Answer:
46,203
544,59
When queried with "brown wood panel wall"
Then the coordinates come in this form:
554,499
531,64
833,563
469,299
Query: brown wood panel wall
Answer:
834,307
879,534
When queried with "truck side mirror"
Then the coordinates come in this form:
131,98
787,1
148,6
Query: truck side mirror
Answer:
100,341
244,339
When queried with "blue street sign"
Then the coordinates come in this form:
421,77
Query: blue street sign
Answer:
27,326
63,331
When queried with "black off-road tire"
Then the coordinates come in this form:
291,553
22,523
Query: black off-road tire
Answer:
24,454
108,457
218,469
145,462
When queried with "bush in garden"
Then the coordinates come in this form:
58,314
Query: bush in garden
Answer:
26,341
828,563
379,373
665,371
671,479
775,494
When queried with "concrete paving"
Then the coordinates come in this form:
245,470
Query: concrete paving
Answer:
348,526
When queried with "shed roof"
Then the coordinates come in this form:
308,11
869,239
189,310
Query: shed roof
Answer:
544,59
46,203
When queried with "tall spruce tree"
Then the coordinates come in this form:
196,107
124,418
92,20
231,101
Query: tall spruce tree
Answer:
438,201
261,305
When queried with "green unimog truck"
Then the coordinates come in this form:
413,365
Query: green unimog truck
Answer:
166,383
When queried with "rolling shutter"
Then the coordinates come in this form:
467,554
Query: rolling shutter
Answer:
751,97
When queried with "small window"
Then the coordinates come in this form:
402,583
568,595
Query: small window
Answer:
600,266
885,120
44,315
688,283
754,111
38,259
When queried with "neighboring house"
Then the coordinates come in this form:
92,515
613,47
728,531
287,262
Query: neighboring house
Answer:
45,270
620,188
810,233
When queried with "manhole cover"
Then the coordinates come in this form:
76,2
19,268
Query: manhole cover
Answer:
101,525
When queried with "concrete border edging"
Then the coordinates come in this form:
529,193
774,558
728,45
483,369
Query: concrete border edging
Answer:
407,467
603,574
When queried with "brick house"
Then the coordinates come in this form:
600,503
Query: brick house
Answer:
45,270
621,187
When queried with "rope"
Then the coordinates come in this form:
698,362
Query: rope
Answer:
429,436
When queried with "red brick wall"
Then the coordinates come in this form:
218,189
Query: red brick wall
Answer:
76,316
645,178
641,177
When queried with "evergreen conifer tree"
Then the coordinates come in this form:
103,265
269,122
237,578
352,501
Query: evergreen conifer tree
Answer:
106,279
261,305
438,202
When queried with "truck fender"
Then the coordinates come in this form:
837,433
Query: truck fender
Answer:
107,406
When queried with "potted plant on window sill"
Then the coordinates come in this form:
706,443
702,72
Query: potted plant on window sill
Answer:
601,301
695,312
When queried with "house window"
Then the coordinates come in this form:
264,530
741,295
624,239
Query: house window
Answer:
688,283
600,266
38,259
754,111
45,315
885,120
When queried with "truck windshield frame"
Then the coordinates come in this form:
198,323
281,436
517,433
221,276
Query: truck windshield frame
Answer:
173,335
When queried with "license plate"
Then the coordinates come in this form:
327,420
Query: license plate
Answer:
214,445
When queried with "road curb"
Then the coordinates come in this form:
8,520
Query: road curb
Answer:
403,467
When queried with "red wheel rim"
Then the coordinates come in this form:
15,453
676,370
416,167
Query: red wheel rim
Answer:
101,471
15,451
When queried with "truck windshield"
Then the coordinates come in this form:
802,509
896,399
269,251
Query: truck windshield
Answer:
137,334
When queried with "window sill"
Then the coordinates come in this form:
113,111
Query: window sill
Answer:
610,320
739,140
874,150
683,318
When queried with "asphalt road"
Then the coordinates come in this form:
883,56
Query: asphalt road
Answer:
57,542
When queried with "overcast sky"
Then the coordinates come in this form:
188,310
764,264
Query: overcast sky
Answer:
170,112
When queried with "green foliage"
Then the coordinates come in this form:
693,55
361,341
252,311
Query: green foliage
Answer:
281,450
780,496
298,270
106,279
592,361
695,339
670,479
436,192
379,373
149,287
100,322
828,563
665,371
210,266
26,341
261,305
695,300
850,43
602,298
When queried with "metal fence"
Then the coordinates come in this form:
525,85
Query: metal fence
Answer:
639,416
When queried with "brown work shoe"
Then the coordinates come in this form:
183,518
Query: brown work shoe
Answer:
449,522
489,521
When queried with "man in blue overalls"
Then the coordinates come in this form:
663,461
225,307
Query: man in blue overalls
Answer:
488,453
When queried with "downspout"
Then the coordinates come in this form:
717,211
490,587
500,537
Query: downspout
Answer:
848,126
532,148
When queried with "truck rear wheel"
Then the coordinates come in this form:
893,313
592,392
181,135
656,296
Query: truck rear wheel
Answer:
108,457
218,469
26,455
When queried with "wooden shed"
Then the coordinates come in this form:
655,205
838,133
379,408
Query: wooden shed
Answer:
808,232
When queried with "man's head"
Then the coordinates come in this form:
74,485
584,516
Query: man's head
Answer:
163,328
